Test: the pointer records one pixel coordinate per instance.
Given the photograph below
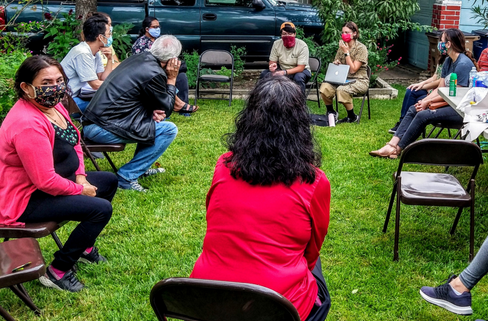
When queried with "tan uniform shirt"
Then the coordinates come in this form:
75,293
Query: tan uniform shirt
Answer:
358,53
290,58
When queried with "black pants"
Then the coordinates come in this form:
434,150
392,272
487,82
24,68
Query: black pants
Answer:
93,213
182,85
320,313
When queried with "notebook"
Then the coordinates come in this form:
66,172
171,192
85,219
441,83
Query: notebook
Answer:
337,74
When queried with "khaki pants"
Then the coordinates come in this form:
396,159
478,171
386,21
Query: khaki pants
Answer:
329,91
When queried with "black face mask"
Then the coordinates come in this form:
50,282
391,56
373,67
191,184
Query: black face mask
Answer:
49,96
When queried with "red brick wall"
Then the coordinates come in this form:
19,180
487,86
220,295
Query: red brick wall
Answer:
445,16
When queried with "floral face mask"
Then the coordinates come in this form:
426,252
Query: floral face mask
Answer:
441,46
49,96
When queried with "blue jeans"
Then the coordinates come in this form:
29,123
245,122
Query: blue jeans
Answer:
82,104
411,98
144,156
414,123
476,269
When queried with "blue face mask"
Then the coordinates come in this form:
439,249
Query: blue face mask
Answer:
109,41
441,46
111,29
154,32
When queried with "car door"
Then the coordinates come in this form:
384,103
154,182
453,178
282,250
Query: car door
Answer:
180,18
237,22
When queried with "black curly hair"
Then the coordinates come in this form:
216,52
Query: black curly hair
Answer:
273,141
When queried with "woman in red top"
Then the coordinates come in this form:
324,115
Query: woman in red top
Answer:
268,206
42,175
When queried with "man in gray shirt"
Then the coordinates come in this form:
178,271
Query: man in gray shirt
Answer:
83,63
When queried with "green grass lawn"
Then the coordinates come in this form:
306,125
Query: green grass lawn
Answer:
159,234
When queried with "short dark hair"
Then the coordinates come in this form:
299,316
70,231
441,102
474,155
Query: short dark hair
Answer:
29,70
94,26
146,23
351,25
273,141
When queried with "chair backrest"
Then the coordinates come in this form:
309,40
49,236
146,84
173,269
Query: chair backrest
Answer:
208,300
314,64
216,58
442,152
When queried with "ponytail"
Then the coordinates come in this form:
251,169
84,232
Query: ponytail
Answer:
469,54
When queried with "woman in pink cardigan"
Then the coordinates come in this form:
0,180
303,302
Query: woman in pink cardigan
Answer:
42,171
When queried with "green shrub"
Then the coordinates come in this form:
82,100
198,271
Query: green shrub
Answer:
9,63
238,53
65,33
122,43
191,60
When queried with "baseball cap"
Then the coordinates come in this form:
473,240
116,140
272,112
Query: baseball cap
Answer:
284,24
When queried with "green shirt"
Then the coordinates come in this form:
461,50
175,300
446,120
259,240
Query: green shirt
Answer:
290,58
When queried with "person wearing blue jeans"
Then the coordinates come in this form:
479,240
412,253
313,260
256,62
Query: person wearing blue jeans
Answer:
455,295
418,116
144,156
131,106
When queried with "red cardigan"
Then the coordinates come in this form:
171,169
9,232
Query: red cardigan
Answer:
266,235
26,160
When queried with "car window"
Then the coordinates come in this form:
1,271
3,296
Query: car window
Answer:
182,3
229,3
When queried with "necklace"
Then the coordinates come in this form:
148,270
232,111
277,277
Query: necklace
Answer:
60,123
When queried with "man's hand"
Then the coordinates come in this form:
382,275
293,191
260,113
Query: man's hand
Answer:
107,52
172,68
273,66
337,62
159,115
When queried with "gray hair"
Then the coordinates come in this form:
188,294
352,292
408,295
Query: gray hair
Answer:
166,47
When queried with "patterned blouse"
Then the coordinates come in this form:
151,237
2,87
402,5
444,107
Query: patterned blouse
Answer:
142,44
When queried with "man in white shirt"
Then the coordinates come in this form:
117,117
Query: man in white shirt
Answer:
83,63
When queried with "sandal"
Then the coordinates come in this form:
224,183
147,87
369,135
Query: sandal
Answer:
188,108
392,153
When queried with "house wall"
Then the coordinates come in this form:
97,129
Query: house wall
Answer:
467,23
417,42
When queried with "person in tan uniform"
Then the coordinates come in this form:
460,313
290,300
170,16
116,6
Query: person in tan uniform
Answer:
353,53
289,57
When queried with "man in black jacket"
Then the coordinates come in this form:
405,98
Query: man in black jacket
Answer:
131,105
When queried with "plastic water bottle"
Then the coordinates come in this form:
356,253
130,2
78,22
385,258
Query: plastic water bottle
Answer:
331,120
453,84
472,76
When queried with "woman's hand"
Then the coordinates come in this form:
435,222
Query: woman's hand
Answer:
273,66
343,46
89,190
415,87
421,105
337,62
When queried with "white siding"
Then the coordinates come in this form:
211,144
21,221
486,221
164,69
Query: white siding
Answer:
467,23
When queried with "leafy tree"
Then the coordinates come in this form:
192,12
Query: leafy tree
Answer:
480,13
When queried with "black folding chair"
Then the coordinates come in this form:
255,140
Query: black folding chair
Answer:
365,95
435,189
205,300
315,66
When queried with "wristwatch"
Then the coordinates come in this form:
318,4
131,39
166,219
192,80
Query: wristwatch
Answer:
347,54
286,72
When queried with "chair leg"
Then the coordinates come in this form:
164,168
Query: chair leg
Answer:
110,162
471,224
440,131
449,133
361,110
397,229
230,95
22,294
337,104
318,95
430,133
369,108
90,156
456,220
6,315
57,240
392,199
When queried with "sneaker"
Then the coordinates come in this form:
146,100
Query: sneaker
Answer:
68,282
336,115
394,128
153,171
445,297
348,120
134,185
92,257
